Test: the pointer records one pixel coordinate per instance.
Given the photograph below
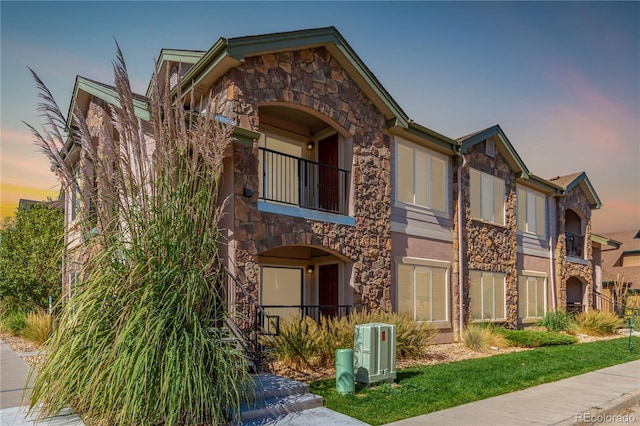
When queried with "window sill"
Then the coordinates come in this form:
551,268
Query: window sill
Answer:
421,209
577,260
485,222
294,211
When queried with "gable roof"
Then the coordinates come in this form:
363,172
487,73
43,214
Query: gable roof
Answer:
580,179
84,88
174,55
503,145
226,54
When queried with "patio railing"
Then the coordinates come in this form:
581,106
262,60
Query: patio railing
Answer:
295,181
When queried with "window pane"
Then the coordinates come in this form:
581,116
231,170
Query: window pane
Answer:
499,295
488,297
422,181
541,297
498,201
475,291
540,221
405,174
423,293
522,210
522,296
533,297
438,184
405,288
474,181
281,287
531,212
487,197
440,302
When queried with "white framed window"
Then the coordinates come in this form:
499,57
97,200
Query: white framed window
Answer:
532,295
487,197
421,176
487,296
422,289
531,211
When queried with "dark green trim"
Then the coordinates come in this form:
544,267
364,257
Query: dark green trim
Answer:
245,136
414,130
512,156
172,55
213,54
545,185
107,94
590,191
605,241
631,252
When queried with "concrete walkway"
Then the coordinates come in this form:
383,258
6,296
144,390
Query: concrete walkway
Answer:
578,399
13,378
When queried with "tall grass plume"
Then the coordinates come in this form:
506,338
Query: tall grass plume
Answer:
138,343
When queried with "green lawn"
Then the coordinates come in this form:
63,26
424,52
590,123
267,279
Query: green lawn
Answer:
422,390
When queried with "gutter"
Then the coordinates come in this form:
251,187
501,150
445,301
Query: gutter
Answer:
460,252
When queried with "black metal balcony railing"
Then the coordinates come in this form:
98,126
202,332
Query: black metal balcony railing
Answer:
574,244
314,312
295,181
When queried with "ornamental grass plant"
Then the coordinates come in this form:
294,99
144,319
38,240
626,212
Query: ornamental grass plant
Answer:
597,323
37,327
138,343
304,343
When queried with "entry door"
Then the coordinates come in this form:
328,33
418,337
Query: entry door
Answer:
329,191
328,277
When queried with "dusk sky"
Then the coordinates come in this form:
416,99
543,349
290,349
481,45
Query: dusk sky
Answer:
561,79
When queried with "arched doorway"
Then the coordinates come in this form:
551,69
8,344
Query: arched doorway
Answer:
575,295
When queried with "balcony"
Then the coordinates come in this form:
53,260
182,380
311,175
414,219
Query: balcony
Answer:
295,181
574,245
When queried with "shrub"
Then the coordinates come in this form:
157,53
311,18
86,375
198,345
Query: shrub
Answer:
481,338
13,322
302,342
556,321
535,339
597,323
37,327
297,344
633,302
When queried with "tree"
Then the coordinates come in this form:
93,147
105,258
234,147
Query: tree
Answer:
31,245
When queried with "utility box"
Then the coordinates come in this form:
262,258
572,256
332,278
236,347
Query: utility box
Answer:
375,353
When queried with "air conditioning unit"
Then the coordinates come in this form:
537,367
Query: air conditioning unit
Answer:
375,353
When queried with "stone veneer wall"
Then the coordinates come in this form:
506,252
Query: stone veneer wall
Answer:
575,200
313,81
489,247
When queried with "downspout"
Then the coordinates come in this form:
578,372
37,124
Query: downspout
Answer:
460,252
552,278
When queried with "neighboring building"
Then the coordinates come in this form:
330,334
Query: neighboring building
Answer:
621,261
339,201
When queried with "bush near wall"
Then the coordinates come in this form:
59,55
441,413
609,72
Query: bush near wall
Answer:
303,342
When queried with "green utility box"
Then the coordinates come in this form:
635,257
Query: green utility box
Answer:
375,353
345,382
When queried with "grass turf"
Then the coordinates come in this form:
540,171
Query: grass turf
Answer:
421,390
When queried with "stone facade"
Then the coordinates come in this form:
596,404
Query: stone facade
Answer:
313,81
487,246
566,269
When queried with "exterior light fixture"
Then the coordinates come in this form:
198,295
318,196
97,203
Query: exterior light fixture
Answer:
310,145
310,269
246,192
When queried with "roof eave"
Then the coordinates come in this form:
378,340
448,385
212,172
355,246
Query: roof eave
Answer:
512,157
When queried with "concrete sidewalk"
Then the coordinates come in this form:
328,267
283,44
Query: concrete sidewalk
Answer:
565,402
13,378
